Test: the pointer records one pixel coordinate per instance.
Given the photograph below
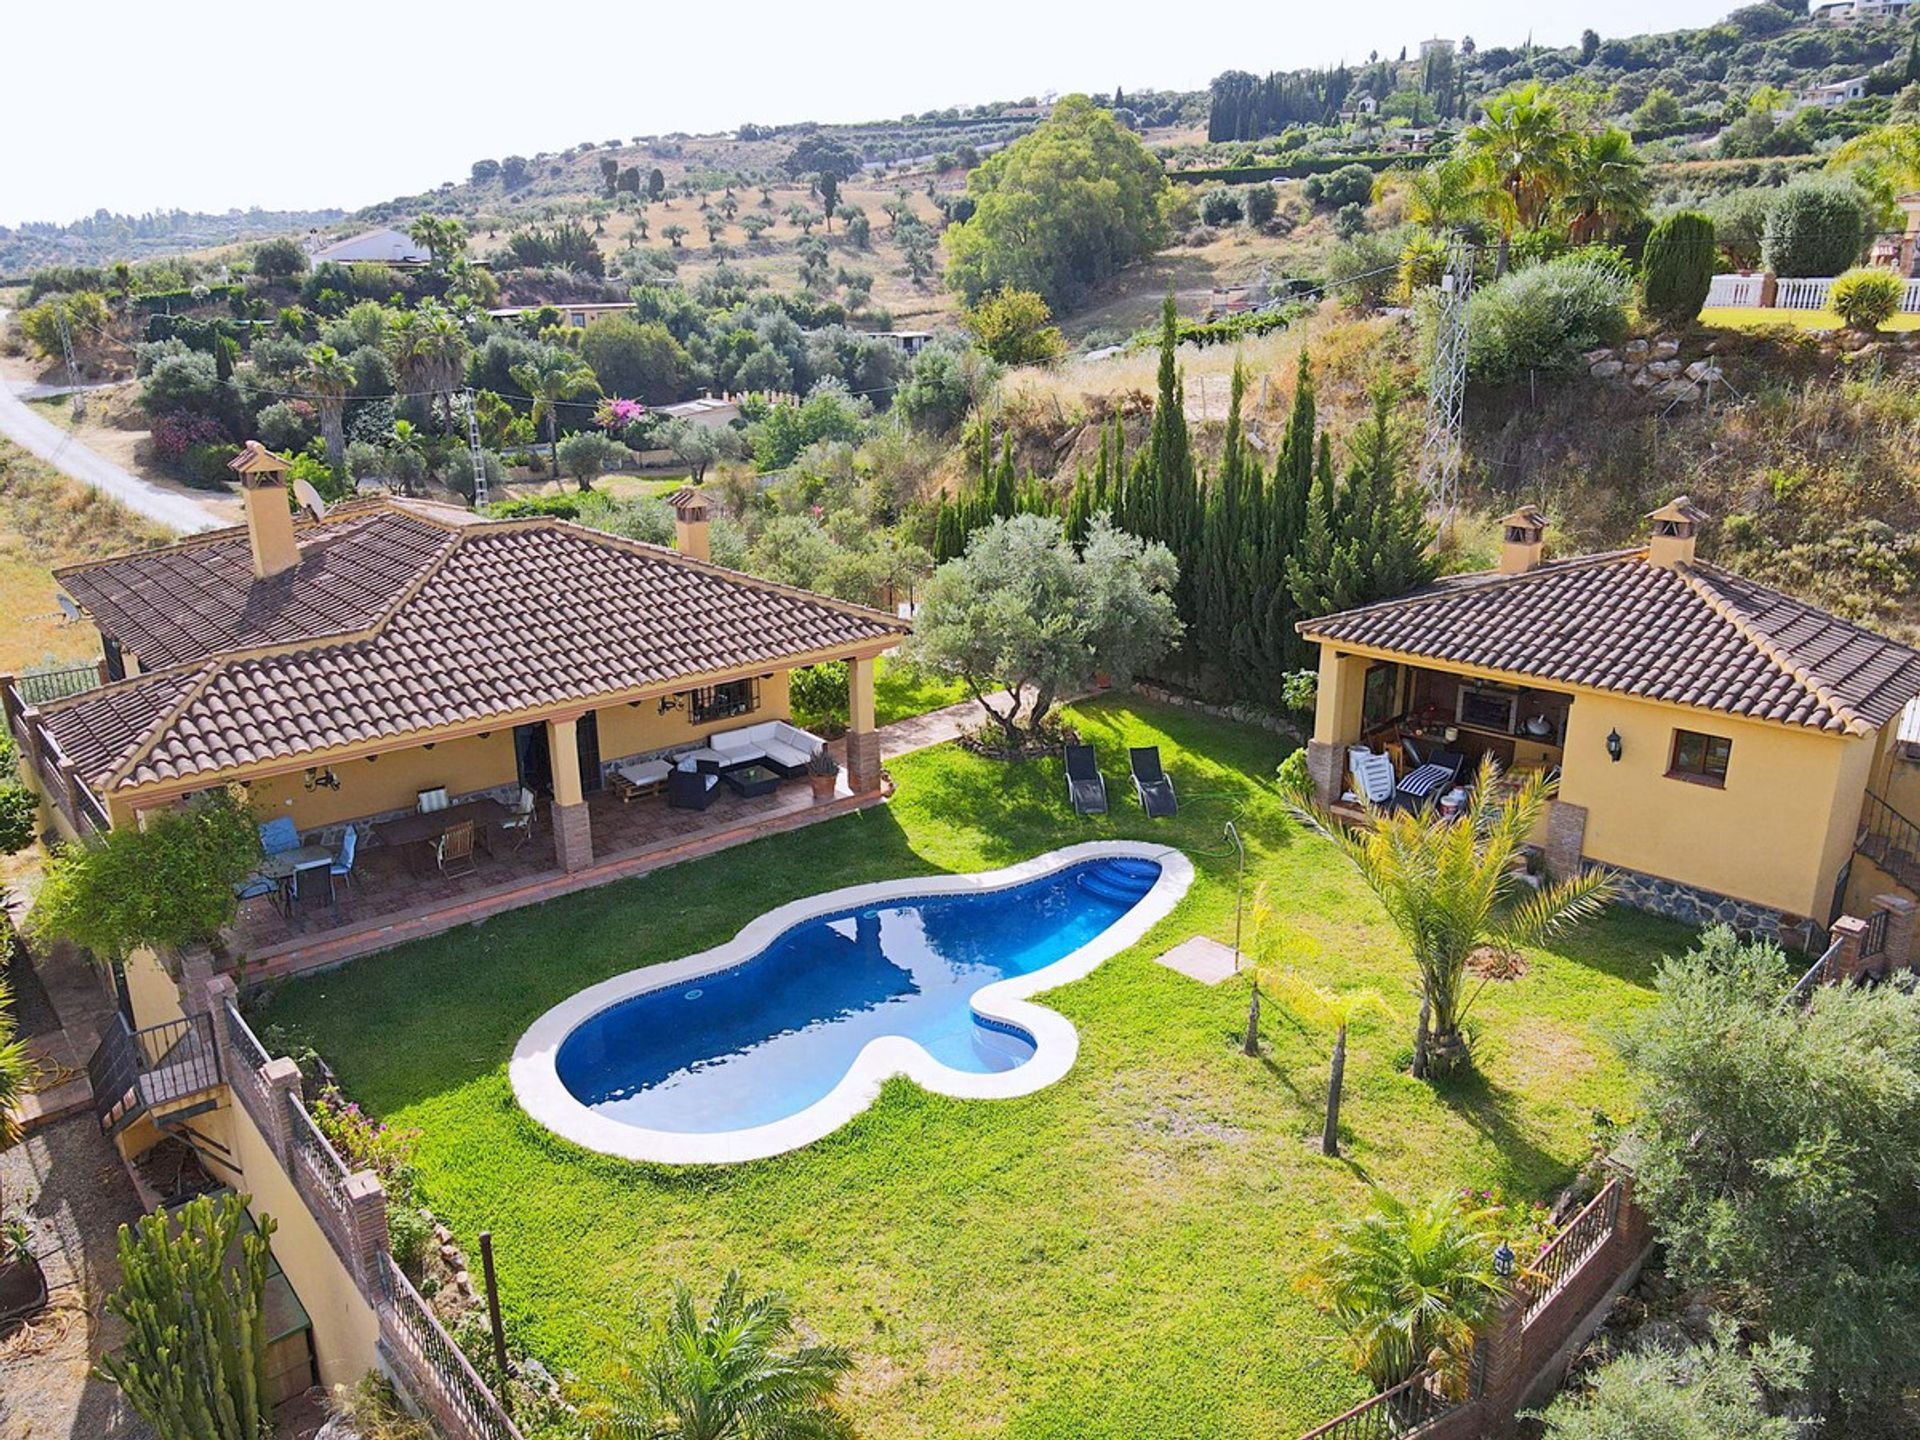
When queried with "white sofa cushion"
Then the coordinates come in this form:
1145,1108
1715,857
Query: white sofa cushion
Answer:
735,744
795,738
783,754
643,772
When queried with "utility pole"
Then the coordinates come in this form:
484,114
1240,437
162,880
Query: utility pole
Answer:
1440,446
76,402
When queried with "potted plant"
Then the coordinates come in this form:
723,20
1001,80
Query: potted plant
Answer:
23,1288
823,773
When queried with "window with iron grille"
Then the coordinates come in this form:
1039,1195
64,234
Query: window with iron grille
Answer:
724,702
1700,758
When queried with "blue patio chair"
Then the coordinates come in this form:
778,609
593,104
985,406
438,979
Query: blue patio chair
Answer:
342,867
279,835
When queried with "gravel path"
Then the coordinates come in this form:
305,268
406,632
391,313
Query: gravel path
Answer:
69,1185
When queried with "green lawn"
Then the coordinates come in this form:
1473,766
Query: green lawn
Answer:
1112,1257
901,692
1731,318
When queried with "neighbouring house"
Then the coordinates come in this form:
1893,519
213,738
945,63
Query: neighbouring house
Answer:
391,656
1839,92
1732,752
574,313
709,412
381,247
907,342
1848,12
1436,46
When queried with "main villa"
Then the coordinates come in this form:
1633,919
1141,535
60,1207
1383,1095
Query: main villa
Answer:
388,667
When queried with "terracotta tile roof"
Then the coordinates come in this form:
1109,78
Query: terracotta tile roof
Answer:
1692,635
511,616
188,601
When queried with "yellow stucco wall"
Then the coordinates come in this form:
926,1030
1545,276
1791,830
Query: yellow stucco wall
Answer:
470,764
392,782
151,988
345,1330
1777,834
631,729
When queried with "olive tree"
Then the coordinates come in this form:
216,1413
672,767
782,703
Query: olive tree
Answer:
1023,613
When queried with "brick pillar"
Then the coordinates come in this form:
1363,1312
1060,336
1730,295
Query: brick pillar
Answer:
1506,1365
366,1201
215,995
572,836
1849,932
1328,769
196,974
1900,921
282,1079
1566,838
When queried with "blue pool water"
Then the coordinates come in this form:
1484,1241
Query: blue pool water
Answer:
774,1034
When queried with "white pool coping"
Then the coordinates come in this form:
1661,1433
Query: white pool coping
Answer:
536,1082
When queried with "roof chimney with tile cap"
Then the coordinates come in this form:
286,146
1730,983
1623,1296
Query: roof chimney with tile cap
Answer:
1675,525
690,509
1522,536
263,490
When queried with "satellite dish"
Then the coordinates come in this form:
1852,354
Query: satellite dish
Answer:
309,497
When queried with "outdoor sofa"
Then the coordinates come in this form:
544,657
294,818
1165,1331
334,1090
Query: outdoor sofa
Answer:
773,743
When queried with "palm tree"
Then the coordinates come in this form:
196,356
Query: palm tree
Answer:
549,379
1449,194
1326,1009
1413,1285
1451,886
1524,142
737,1374
329,378
1607,185
440,349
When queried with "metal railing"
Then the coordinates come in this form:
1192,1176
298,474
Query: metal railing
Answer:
320,1175
249,1057
434,1364
132,1071
1885,834
1568,1251
39,686
1390,1414
1817,975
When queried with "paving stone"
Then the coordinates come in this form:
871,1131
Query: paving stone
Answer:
1199,958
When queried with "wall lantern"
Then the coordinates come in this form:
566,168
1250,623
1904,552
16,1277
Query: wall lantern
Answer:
322,779
1503,1261
1613,746
671,702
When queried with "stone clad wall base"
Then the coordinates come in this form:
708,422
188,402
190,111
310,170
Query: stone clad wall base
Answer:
1566,838
572,836
1703,907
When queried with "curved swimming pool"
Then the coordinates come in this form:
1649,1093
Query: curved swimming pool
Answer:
782,1035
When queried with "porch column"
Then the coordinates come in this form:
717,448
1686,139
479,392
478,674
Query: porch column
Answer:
572,830
1336,720
863,740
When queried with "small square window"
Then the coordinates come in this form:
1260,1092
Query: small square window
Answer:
1700,758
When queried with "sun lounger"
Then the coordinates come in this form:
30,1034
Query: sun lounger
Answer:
1086,787
1151,784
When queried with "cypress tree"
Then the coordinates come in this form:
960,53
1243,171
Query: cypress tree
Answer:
1222,575
1163,496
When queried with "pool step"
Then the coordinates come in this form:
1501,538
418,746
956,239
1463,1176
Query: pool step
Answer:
1133,869
1116,890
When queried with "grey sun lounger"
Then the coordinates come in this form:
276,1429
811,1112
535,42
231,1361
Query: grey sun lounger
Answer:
1152,784
1086,787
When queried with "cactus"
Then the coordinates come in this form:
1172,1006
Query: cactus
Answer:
194,1362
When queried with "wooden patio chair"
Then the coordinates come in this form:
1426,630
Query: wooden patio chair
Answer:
454,850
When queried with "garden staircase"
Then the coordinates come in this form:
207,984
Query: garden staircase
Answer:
1890,840
167,1073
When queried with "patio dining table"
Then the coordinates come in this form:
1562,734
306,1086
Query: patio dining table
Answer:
426,827
283,867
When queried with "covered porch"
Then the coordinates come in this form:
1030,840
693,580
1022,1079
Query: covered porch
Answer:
1426,716
392,897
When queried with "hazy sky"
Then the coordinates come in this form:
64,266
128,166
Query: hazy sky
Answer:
211,104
